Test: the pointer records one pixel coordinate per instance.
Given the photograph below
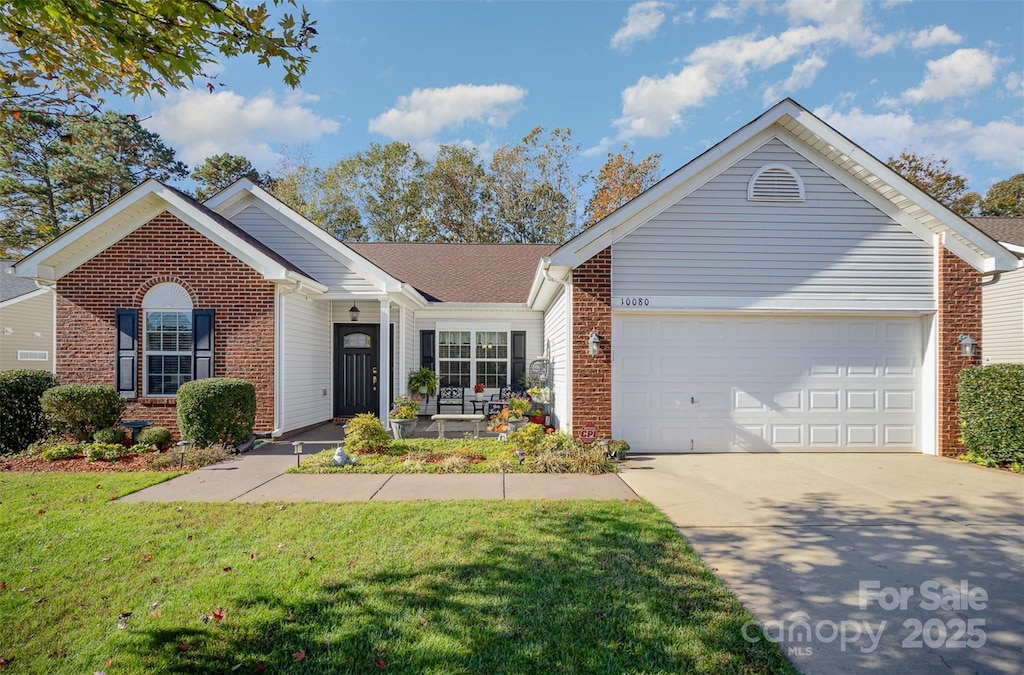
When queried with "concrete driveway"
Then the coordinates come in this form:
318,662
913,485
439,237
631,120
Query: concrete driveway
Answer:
884,563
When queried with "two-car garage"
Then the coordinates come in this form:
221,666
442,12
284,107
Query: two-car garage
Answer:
768,382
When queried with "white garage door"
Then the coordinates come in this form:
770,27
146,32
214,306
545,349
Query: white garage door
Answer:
780,383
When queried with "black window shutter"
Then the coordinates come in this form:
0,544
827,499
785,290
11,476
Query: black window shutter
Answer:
518,355
202,336
427,349
125,370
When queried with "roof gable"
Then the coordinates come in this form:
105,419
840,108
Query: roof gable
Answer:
828,149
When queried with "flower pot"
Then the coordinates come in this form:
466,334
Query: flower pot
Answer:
402,428
538,419
516,424
479,395
423,390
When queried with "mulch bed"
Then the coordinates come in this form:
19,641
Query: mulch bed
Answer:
76,465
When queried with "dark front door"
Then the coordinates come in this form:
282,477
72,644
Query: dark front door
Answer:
355,369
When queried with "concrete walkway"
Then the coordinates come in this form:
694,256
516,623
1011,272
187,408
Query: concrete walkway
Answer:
258,476
820,548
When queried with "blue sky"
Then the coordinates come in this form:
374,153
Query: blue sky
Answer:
943,78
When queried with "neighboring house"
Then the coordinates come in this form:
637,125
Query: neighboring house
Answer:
1002,297
784,291
26,322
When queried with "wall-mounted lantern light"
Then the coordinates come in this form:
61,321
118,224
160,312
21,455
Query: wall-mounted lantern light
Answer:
968,345
594,343
353,312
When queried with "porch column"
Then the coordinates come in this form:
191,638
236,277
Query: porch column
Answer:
403,367
384,374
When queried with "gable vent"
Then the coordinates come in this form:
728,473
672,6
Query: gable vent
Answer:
775,183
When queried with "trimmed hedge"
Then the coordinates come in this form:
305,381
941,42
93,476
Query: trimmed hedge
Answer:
83,409
992,412
155,436
22,420
216,410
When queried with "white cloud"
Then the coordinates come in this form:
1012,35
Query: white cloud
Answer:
641,23
425,112
200,124
962,72
936,36
803,76
1014,84
655,105
999,143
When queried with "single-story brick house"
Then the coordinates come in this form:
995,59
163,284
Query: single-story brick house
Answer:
784,291
1002,295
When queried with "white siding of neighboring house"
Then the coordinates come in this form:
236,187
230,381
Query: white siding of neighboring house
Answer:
305,362
307,256
556,338
513,319
1003,319
26,326
714,249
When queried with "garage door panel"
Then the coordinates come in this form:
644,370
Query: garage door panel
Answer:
741,383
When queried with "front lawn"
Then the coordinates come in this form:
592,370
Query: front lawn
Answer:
435,455
89,584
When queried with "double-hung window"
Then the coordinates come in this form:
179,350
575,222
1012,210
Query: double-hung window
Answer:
466,357
455,362
492,358
168,350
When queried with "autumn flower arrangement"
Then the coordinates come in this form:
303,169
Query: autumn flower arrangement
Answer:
517,406
405,408
478,388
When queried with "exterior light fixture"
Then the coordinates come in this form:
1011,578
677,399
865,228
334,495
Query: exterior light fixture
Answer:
182,449
594,343
353,312
968,345
298,452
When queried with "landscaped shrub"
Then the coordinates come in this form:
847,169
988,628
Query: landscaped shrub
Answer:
194,457
561,453
83,409
365,433
109,435
528,438
105,452
157,437
216,410
991,402
60,450
22,420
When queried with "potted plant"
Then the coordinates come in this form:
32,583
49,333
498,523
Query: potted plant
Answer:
478,391
618,448
537,415
403,416
517,408
424,381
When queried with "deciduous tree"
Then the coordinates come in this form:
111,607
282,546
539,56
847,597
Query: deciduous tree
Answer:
456,192
619,180
320,196
63,56
1005,198
934,177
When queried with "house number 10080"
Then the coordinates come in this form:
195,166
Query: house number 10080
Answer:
635,302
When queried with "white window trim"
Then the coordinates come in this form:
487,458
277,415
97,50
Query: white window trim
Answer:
146,352
482,327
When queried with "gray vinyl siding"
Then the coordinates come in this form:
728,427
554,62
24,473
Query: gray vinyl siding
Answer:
306,355
307,256
1003,319
715,246
556,337
28,322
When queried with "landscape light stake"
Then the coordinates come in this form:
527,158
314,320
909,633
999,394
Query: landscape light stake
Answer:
182,449
298,453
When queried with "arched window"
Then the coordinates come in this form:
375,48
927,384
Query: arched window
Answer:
775,183
168,339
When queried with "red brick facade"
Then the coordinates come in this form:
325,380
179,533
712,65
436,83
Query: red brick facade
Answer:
592,375
167,250
959,313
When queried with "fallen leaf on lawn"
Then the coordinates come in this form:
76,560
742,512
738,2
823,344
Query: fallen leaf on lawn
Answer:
381,664
280,545
228,568
99,487
3,585
122,619
312,558
157,614
148,557
24,589
253,556
184,646
155,605
109,663
219,614
41,511
178,509
236,667
299,655
4,662
205,618
260,667
105,559
99,672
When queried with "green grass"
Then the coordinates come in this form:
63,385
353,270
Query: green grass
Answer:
498,457
413,587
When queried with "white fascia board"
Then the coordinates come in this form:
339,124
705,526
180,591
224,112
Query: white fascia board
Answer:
25,296
37,265
230,201
666,192
538,280
991,260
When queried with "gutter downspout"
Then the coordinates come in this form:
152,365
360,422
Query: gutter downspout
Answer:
279,358
546,271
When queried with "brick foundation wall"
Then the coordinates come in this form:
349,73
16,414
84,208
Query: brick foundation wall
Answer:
959,312
592,375
167,250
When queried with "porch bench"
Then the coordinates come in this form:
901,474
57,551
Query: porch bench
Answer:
441,419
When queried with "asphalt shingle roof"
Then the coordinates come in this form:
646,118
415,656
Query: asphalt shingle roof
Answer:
12,286
459,272
1006,230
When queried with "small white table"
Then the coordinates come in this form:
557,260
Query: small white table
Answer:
441,419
